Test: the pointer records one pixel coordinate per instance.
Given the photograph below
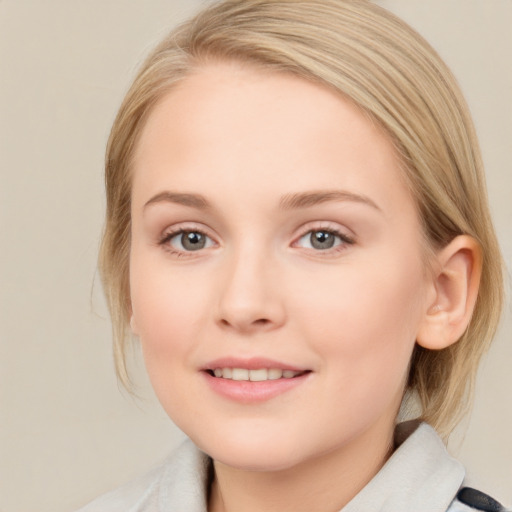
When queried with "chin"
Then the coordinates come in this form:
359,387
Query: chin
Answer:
255,460
253,453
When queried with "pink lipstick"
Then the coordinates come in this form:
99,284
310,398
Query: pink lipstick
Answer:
252,380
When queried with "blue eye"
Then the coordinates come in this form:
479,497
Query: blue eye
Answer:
187,240
323,239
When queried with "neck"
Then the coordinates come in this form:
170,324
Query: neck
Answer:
326,483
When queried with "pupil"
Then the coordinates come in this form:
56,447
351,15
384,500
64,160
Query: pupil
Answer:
193,241
322,240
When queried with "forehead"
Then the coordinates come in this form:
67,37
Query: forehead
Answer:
262,131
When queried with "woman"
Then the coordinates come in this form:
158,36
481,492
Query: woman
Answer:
298,232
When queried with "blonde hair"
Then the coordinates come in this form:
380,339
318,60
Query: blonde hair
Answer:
378,62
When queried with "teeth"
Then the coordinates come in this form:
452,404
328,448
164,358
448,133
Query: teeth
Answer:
240,374
259,375
275,373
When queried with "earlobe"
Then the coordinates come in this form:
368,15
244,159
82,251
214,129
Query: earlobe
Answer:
456,279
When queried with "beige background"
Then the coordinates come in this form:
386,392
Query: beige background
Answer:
66,431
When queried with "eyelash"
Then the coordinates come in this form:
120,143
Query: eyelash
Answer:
345,240
168,236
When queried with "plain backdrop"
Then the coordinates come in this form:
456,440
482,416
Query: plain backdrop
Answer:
67,433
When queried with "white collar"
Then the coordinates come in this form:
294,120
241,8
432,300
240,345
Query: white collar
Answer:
420,476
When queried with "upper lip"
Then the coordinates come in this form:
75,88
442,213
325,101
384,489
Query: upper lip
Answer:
252,363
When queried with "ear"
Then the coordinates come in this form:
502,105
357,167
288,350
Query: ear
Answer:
455,282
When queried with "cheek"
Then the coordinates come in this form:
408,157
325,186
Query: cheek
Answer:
364,321
167,312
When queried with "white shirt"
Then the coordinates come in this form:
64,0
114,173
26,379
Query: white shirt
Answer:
420,476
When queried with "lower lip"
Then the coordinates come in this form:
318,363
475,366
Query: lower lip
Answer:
245,391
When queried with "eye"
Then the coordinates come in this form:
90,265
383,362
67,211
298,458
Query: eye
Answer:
324,239
186,241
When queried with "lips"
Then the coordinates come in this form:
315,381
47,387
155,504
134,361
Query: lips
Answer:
255,375
252,380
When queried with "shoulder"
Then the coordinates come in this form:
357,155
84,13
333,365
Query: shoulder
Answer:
472,500
180,481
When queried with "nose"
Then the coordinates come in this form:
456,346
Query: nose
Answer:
251,295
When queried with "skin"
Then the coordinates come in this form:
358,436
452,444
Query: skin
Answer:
350,314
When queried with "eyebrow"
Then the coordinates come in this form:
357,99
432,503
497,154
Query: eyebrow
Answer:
307,199
287,202
192,200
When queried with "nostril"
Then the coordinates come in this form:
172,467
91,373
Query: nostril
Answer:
258,322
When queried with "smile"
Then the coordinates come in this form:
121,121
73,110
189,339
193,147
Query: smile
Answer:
254,375
253,380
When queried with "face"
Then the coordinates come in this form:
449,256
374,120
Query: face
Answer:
276,271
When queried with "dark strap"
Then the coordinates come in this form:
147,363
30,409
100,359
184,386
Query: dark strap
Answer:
478,500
